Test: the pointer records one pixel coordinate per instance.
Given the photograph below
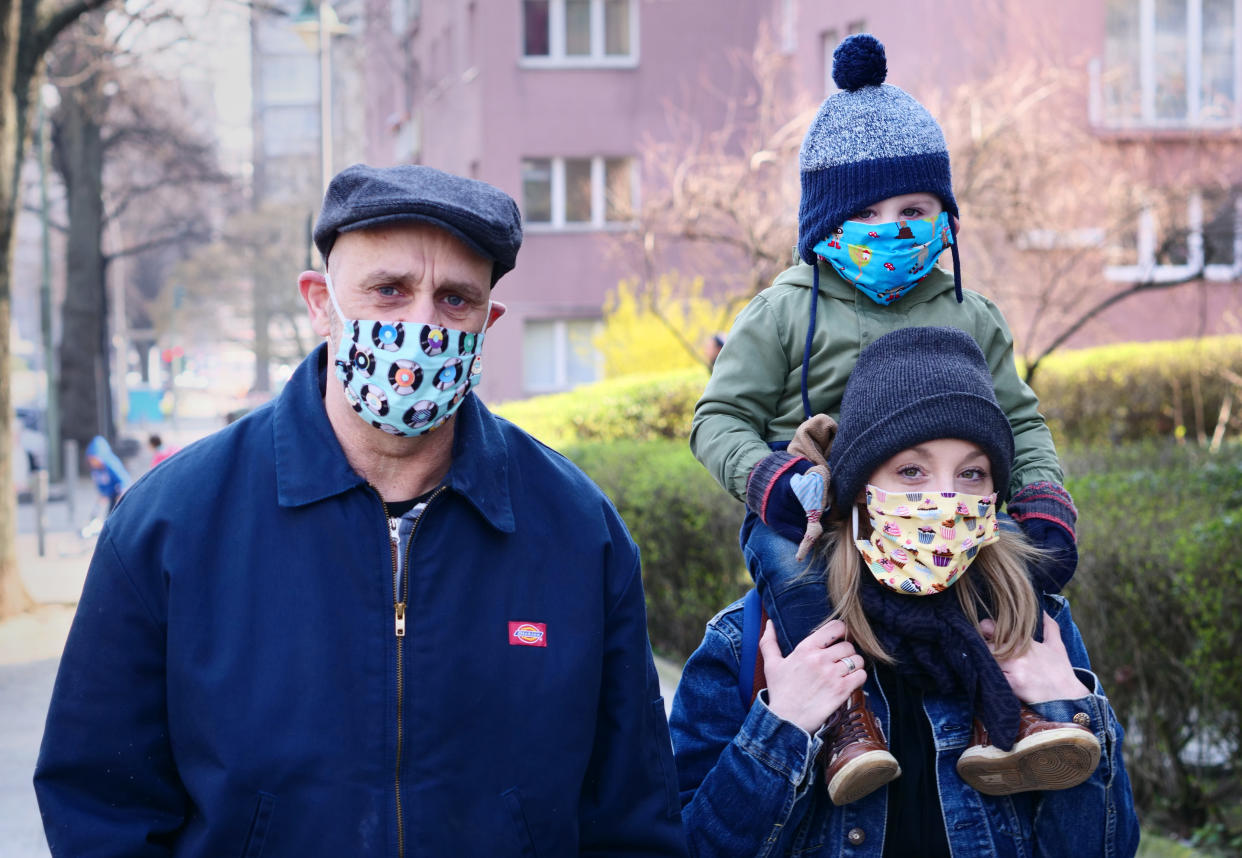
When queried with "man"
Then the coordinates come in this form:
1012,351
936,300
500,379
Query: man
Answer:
369,618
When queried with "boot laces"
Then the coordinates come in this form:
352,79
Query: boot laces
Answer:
846,727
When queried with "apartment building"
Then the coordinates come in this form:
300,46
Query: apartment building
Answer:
551,100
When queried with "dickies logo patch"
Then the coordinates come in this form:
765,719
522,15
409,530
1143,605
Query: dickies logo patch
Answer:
522,633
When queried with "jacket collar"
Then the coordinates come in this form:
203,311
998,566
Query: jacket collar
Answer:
311,466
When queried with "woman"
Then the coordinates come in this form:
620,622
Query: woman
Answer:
919,425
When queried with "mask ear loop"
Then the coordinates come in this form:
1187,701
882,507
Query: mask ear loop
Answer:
486,318
332,294
854,509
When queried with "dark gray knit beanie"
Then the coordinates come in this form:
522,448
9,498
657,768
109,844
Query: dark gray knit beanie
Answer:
483,217
910,386
869,142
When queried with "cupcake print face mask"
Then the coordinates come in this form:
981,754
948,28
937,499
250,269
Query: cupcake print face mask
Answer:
921,542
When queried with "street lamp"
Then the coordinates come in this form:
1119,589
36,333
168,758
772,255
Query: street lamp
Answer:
317,23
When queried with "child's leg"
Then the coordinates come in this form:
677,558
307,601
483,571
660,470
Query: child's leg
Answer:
856,757
794,592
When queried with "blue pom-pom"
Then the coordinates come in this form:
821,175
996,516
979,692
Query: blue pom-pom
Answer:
859,61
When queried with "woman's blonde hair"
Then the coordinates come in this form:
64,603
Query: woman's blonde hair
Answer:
1001,568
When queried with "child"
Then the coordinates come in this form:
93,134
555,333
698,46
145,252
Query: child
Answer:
877,210
111,480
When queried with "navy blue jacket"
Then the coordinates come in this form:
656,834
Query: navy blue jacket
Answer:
233,683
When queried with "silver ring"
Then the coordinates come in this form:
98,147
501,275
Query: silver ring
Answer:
850,667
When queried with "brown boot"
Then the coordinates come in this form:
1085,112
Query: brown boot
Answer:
858,760
1047,755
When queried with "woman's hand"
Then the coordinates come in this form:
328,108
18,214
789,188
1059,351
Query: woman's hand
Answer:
1043,672
813,682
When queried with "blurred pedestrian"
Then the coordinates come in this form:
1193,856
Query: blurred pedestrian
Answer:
111,480
159,451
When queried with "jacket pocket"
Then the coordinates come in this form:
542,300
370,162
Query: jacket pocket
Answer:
260,820
513,801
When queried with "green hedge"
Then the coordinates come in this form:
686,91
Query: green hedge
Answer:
1117,393
1138,391
635,407
1158,595
686,527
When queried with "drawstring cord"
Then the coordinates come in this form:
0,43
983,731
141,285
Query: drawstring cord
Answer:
806,352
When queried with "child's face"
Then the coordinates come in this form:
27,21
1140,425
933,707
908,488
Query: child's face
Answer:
900,207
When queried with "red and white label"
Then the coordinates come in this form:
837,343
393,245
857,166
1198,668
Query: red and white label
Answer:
522,633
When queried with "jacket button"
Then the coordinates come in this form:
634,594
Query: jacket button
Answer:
1082,719
856,837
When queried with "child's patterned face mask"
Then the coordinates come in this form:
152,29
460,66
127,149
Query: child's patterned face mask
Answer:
921,542
886,260
406,378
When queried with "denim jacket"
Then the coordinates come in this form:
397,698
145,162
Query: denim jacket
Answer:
750,786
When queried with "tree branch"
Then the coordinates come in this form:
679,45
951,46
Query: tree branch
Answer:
1100,307
187,234
56,22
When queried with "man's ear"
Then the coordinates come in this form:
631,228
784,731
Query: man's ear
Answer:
314,288
498,310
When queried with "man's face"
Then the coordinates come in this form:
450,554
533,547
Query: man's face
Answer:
402,273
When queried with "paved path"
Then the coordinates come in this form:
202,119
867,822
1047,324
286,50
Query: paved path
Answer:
24,692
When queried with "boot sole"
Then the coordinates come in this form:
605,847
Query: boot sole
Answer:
1051,760
861,776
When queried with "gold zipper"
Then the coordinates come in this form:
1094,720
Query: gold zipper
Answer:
400,595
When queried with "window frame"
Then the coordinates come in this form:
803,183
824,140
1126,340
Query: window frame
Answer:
560,354
556,57
1146,269
1148,79
599,200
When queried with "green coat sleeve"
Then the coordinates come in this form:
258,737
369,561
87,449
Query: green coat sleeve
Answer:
731,419
1035,456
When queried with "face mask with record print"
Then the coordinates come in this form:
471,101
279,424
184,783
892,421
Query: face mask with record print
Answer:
406,378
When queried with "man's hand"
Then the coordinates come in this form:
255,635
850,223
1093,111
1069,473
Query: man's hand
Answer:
813,682
1043,672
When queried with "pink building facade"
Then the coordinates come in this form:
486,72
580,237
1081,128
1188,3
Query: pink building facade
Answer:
551,101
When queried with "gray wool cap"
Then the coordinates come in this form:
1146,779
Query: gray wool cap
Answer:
483,217
910,386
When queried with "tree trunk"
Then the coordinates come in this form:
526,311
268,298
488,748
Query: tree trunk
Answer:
13,596
24,39
85,403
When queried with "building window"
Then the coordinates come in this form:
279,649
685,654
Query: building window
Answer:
578,193
1169,63
558,354
828,41
1199,234
579,32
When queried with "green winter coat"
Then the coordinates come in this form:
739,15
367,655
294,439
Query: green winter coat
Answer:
754,394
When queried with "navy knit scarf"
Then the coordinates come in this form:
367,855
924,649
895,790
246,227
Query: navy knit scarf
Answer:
938,650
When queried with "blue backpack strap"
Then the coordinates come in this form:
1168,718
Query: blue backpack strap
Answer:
752,621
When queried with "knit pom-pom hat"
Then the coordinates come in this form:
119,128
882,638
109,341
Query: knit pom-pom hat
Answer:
869,142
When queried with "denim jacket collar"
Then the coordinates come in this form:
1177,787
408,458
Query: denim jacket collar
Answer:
311,466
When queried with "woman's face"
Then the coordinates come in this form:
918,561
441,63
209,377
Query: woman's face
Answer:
946,464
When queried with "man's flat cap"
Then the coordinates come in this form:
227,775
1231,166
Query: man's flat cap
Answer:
485,218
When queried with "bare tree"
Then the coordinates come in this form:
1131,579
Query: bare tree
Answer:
722,202
241,286
28,29
1050,206
127,154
